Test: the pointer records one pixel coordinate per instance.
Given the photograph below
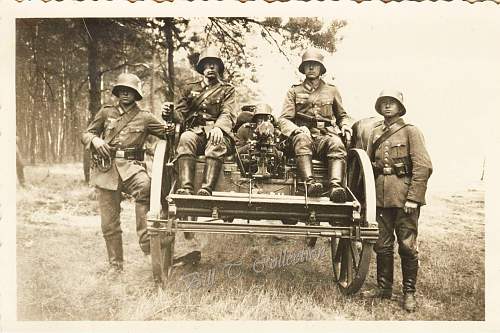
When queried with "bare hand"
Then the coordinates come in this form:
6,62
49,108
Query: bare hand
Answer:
170,128
101,147
346,130
215,135
410,207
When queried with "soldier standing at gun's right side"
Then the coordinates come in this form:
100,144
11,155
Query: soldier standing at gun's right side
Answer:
402,168
117,134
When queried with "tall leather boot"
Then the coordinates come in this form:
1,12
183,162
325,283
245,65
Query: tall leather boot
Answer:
336,169
141,225
304,165
115,252
385,275
409,267
186,168
210,175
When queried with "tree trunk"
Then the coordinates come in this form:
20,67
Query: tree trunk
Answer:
94,82
169,22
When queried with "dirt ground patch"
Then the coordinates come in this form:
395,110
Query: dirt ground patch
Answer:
61,266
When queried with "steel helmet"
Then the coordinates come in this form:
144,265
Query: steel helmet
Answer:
263,109
312,55
130,81
210,52
396,94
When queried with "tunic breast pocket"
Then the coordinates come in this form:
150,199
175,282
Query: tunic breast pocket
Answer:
109,127
325,108
301,100
133,134
399,150
213,107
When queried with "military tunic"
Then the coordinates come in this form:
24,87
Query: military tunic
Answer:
200,111
404,147
408,145
320,110
133,135
127,176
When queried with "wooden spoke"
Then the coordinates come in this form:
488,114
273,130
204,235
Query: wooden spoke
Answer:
351,261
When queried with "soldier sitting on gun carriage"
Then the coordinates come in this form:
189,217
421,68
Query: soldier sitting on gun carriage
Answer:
313,118
207,111
257,136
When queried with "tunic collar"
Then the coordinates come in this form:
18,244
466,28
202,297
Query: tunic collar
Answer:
387,126
205,84
123,111
310,87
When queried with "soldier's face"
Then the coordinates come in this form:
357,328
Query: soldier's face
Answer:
126,95
312,70
389,107
211,69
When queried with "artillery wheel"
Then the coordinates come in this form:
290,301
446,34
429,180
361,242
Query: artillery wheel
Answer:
351,258
350,261
361,183
161,244
162,256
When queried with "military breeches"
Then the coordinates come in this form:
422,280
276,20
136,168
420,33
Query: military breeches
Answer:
193,144
138,186
405,226
321,147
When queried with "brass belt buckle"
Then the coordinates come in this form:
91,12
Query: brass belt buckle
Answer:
120,154
387,171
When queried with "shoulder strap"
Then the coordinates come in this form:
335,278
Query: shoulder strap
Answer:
209,92
124,120
385,136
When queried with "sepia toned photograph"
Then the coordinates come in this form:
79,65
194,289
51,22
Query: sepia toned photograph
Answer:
315,166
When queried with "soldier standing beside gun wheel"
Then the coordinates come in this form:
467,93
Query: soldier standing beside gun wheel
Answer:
402,168
207,111
117,135
313,118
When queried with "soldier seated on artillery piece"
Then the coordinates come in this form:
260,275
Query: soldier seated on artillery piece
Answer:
207,112
313,118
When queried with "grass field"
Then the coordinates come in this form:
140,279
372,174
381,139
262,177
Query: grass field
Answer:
61,262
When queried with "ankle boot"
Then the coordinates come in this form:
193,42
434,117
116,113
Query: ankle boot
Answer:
186,170
210,176
336,178
304,166
115,252
385,274
141,225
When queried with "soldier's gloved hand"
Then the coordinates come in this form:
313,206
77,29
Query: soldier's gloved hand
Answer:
303,129
410,207
215,135
101,147
166,111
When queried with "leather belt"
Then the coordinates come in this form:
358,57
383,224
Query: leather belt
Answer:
383,171
136,154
